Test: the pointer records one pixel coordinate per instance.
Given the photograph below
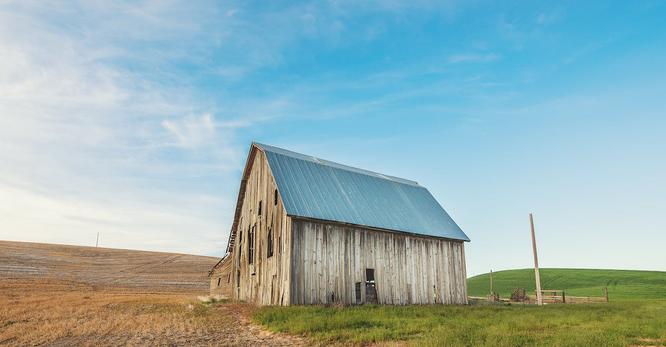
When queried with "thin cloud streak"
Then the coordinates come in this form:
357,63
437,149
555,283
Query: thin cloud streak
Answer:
473,58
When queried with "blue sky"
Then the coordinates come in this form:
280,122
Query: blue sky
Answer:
133,119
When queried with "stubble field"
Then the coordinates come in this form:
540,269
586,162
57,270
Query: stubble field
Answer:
66,295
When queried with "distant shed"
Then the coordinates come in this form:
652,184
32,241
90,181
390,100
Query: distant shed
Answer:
311,231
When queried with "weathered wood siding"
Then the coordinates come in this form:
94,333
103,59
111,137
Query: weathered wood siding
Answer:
266,281
221,279
330,258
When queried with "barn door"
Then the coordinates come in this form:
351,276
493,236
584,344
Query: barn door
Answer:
370,287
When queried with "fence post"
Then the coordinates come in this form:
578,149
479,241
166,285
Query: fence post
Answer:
606,293
564,298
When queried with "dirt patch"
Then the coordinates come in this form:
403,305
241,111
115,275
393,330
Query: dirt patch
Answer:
243,332
648,342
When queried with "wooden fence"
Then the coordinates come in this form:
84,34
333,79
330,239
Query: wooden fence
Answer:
551,296
554,296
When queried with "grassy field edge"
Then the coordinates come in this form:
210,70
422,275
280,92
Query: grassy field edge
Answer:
622,284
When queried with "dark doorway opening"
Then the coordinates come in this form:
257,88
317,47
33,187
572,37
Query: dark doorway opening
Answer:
370,287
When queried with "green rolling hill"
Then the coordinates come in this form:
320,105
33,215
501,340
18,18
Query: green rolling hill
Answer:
622,284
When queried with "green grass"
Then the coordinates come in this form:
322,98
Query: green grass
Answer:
622,284
614,324
635,316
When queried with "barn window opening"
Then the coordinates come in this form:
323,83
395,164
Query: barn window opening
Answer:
219,279
259,210
269,249
370,275
275,197
250,246
240,243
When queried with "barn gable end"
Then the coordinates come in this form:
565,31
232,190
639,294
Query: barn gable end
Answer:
259,242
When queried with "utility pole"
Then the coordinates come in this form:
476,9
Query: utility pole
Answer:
491,282
536,264
97,241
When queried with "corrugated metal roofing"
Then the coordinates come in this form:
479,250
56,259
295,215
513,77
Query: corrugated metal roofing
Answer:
315,188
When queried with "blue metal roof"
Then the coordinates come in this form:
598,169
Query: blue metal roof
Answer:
315,188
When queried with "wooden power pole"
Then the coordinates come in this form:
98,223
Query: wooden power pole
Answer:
536,264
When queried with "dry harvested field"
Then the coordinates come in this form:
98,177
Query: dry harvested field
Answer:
59,295
105,268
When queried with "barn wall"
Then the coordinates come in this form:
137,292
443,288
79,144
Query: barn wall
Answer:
330,258
221,279
266,281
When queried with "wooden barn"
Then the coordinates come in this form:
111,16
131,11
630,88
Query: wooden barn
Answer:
311,231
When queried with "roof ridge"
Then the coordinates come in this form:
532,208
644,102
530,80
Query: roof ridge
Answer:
333,164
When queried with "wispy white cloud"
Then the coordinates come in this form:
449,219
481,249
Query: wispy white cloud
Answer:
549,17
89,140
473,58
204,130
193,131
